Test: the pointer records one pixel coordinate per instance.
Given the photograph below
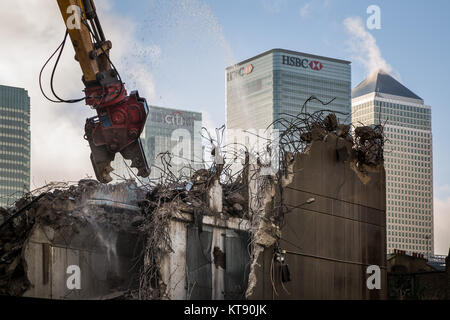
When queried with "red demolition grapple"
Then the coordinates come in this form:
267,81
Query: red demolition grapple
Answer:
116,128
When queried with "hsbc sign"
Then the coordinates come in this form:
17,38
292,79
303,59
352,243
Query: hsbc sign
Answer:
243,71
302,63
315,65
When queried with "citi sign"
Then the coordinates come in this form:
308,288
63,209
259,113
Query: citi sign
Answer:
176,119
302,63
240,72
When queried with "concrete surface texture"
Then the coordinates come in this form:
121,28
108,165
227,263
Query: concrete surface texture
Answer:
329,243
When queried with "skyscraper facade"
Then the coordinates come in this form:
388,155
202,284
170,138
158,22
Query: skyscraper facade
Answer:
173,131
14,144
261,89
408,158
274,85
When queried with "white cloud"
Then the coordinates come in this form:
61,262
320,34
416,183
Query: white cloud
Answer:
441,225
364,47
304,11
30,31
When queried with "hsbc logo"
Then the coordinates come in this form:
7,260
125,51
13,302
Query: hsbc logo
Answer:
316,65
243,71
248,69
302,63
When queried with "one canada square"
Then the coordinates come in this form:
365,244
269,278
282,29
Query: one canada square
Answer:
408,159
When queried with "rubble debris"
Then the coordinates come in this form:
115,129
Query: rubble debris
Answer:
306,137
61,207
330,122
13,232
164,202
369,144
156,244
343,130
301,130
236,198
318,132
237,208
219,258
137,221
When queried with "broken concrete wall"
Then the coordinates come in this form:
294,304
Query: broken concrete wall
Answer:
188,239
264,231
328,244
89,226
209,264
49,253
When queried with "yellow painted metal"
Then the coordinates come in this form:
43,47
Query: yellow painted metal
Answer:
81,38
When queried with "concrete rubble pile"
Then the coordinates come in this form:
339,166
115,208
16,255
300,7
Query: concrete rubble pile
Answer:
192,196
78,217
202,196
367,143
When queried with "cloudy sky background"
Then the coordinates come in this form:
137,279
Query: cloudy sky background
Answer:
175,53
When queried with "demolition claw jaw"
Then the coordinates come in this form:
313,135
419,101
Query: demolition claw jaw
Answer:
101,160
117,128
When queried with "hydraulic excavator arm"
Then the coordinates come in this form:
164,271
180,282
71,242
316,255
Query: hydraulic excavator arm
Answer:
120,117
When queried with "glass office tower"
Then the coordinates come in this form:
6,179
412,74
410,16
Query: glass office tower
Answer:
14,144
168,130
276,84
260,89
408,159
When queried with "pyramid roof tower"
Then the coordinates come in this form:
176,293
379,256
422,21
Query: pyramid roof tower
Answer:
381,82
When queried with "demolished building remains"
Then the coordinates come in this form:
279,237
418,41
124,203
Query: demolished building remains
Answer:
308,231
